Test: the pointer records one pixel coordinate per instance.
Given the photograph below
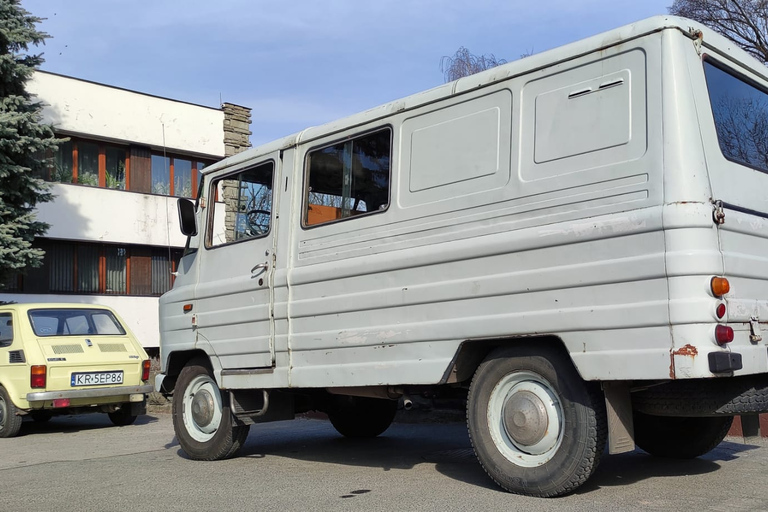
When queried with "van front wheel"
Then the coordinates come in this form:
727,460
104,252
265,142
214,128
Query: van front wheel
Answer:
201,416
537,428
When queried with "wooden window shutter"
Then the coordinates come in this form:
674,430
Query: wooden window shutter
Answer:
141,169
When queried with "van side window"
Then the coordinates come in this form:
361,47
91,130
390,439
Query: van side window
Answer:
242,206
348,178
6,329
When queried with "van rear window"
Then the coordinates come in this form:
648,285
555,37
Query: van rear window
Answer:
74,322
740,109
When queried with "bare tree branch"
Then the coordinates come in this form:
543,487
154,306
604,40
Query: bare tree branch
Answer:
743,21
464,63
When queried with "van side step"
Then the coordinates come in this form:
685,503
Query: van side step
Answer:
251,406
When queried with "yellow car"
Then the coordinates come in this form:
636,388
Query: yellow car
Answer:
68,359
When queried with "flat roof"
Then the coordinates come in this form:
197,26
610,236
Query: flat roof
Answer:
127,90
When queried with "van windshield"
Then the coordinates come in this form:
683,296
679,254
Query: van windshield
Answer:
74,322
740,109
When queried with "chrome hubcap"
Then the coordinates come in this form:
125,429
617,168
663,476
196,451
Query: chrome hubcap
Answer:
525,418
202,408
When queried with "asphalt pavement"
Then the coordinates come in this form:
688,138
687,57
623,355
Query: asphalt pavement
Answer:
83,463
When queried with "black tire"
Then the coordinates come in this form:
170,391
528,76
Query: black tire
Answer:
41,416
122,417
527,391
10,421
677,437
360,417
204,437
705,397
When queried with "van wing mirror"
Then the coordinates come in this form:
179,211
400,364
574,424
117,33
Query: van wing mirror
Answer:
187,221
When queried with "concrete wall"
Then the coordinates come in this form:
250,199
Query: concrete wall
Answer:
103,215
78,106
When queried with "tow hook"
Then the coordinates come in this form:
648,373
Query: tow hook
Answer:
755,335
718,215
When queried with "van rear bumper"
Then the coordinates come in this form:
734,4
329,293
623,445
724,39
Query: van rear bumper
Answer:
89,393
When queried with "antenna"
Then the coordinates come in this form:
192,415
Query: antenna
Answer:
167,219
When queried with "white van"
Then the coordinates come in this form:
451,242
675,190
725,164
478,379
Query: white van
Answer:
576,242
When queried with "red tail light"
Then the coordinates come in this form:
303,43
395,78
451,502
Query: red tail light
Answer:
723,334
720,311
145,369
37,376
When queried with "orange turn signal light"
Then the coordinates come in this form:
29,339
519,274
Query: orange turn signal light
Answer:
187,308
145,366
720,286
37,376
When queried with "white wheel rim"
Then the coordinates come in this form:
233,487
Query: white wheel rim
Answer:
202,408
525,419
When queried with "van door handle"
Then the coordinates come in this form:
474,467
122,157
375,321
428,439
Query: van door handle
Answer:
263,267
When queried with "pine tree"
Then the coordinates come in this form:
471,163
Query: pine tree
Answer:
23,138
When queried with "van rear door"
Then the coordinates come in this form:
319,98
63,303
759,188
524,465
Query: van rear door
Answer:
735,131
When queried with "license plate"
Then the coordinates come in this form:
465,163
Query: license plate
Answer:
96,378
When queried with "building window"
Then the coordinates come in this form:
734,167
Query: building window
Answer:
114,170
161,175
175,176
62,164
347,179
116,269
182,177
107,269
98,164
88,163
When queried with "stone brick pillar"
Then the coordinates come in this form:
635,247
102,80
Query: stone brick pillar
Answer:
237,124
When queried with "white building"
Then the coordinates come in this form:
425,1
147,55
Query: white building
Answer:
114,237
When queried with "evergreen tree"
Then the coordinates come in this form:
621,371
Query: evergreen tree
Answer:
23,139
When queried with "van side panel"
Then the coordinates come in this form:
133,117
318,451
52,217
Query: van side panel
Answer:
537,236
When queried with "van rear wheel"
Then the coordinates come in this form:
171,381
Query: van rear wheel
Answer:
10,421
537,428
202,419
679,437
354,416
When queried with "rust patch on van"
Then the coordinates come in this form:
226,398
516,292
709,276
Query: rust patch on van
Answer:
686,350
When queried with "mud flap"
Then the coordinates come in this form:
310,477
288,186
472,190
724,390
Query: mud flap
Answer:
618,408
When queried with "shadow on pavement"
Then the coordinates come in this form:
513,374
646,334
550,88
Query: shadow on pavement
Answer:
447,446
629,468
75,423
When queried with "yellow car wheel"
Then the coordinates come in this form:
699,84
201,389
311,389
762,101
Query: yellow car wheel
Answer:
10,421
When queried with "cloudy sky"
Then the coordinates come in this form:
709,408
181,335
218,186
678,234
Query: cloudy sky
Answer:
303,63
